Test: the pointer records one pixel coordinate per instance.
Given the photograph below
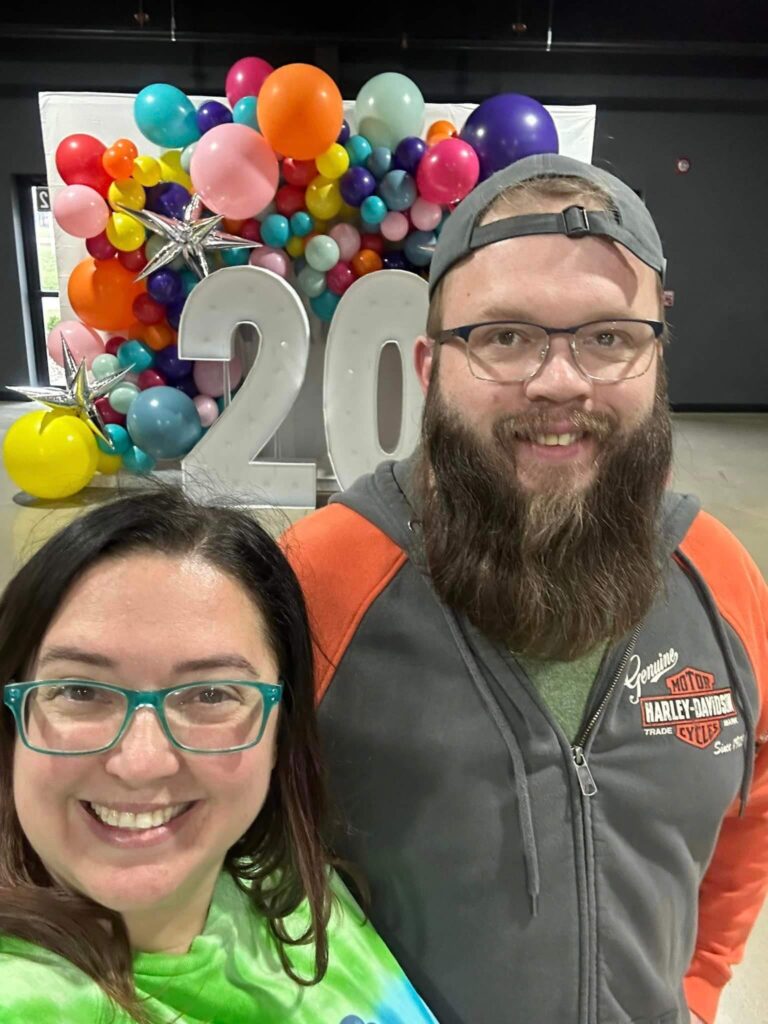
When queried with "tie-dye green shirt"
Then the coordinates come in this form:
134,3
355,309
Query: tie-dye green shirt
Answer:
231,975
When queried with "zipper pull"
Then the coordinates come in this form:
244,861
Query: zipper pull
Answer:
585,777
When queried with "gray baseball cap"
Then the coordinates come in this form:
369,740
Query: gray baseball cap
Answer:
631,224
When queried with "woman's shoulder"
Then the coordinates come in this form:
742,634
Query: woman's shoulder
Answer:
38,985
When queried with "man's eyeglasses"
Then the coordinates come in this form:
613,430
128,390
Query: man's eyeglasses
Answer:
75,716
507,352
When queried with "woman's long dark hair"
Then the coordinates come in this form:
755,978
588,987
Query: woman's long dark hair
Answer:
282,858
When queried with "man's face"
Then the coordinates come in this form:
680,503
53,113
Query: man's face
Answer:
555,281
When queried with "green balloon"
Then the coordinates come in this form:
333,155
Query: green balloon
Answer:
389,108
120,397
322,253
311,282
104,365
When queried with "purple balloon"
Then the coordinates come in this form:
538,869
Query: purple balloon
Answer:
344,133
174,370
169,198
506,128
395,260
188,386
356,185
409,153
211,114
165,285
173,311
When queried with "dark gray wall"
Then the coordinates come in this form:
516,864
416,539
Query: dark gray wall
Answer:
713,220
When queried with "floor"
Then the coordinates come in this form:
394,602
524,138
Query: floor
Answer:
723,458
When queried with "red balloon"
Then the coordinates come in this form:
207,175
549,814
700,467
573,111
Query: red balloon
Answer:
251,229
135,260
290,199
339,278
78,161
147,310
100,247
299,172
373,242
150,379
108,414
114,344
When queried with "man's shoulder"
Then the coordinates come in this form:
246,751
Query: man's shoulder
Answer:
721,558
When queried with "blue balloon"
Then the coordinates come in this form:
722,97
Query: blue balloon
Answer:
164,285
324,305
394,260
118,436
359,149
164,423
344,133
409,153
136,355
301,224
373,211
357,184
174,310
211,114
187,386
166,116
275,230
137,461
172,368
419,247
245,111
398,190
170,198
507,128
379,162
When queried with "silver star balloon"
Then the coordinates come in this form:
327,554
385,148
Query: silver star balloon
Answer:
191,238
77,393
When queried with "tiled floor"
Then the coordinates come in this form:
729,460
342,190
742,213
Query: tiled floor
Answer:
722,458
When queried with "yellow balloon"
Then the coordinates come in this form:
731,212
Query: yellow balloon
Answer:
126,192
295,246
323,198
333,162
146,170
171,169
125,232
50,454
108,464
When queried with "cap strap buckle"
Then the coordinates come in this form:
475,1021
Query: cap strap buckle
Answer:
576,222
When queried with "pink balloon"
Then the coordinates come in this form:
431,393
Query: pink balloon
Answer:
207,409
209,378
83,342
245,78
448,171
347,238
395,226
276,260
80,211
234,170
425,216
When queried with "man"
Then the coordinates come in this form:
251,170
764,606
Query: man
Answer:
544,680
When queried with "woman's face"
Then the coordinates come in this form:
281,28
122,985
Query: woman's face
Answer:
147,621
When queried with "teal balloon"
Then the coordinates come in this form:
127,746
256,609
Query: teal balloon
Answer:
188,280
235,257
186,156
301,224
119,438
389,108
398,190
419,247
324,306
137,461
121,397
311,282
359,149
164,423
275,230
373,210
245,111
379,162
166,116
135,354
104,365
322,252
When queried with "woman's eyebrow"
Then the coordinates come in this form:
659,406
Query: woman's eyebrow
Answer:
63,652
216,661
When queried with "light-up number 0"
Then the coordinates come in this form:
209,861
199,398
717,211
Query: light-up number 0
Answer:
389,306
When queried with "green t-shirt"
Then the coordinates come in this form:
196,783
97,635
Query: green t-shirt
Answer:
230,975
564,686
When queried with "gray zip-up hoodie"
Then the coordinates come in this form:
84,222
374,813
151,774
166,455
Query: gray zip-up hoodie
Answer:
518,877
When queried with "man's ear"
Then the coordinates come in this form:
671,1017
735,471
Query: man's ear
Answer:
423,359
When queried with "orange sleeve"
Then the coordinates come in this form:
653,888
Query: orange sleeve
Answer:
734,886
343,563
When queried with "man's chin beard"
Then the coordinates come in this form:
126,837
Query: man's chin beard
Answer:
555,566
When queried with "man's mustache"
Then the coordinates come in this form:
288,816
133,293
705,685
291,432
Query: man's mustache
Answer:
528,426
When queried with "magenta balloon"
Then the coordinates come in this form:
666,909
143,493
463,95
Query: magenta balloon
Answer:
83,342
245,78
234,170
448,172
80,211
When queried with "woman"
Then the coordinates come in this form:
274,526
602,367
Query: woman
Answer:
161,792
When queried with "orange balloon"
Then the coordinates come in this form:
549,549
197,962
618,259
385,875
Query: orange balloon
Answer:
234,227
118,159
158,336
102,292
300,111
365,262
440,130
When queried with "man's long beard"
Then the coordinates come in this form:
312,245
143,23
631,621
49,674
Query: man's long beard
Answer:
553,571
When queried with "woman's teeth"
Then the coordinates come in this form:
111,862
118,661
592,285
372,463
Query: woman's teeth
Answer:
552,440
144,820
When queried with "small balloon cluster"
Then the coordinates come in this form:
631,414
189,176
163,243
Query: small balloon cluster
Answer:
278,179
